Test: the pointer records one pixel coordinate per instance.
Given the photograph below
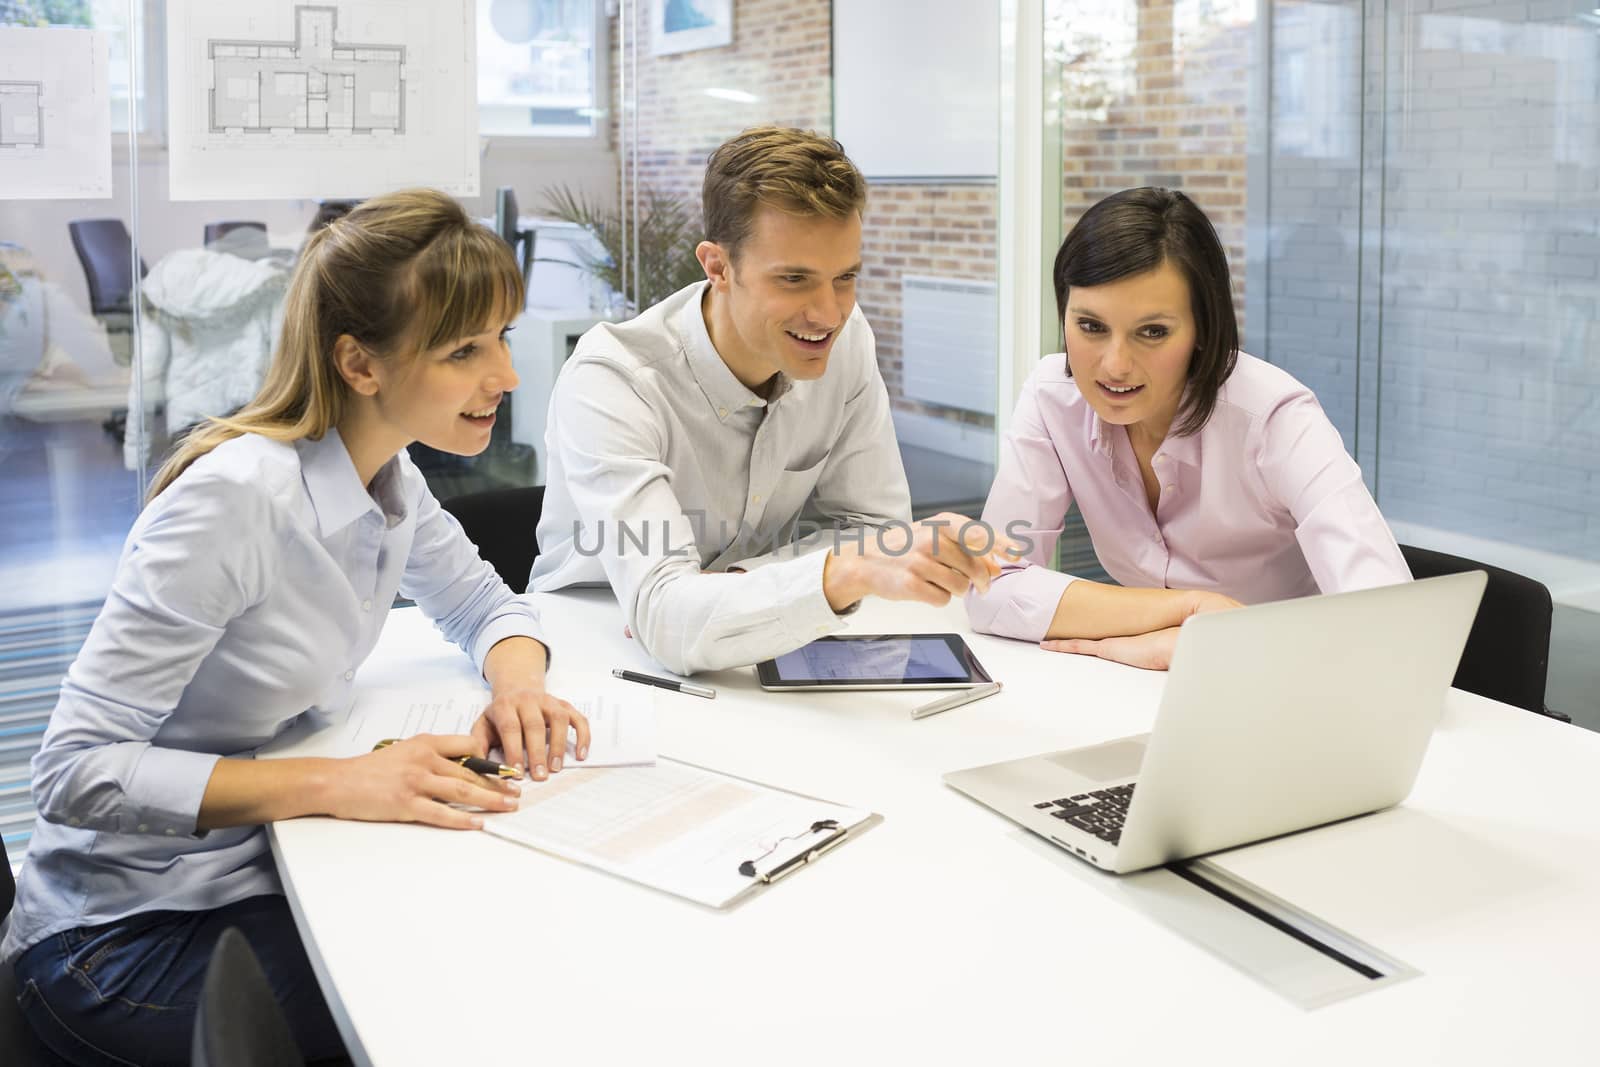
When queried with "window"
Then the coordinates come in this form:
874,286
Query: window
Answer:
540,68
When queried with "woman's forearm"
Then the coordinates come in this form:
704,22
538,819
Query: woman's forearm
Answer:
515,663
246,792
1093,610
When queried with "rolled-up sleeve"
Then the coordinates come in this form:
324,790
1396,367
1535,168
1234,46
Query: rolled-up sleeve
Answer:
453,585
179,584
1305,469
1029,500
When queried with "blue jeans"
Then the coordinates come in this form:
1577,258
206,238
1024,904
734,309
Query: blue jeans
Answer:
127,992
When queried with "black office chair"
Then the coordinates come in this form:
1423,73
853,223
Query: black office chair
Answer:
106,252
501,522
18,1046
239,1023
216,231
1508,650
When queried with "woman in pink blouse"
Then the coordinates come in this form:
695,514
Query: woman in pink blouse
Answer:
1207,478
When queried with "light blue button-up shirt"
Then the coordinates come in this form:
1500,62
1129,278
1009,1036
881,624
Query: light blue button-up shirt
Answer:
248,592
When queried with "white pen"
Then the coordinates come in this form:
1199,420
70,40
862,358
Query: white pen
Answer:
966,696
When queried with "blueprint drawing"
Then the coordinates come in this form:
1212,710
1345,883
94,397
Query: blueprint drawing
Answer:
320,99
313,84
55,113
21,116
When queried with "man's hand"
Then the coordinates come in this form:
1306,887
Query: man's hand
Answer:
938,558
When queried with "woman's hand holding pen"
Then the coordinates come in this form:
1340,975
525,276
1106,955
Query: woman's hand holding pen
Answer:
416,780
530,720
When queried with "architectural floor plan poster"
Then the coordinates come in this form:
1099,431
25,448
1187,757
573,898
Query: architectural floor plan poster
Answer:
331,99
55,114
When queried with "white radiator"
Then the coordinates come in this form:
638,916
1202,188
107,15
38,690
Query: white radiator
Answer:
948,329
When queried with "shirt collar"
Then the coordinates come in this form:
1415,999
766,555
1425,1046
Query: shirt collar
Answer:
1185,449
335,489
723,391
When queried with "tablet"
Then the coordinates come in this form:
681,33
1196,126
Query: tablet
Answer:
882,661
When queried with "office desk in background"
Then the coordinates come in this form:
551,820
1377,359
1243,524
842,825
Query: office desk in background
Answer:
947,935
542,340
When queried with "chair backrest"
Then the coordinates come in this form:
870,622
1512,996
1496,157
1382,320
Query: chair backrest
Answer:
239,1023
1508,651
8,883
502,523
217,230
106,252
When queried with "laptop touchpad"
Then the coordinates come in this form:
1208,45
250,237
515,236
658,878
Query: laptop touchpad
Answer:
1103,763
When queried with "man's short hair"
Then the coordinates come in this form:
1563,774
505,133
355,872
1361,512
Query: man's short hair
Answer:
797,172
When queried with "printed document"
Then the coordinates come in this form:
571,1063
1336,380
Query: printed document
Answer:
622,722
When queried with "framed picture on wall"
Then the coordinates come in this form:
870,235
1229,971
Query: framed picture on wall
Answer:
688,25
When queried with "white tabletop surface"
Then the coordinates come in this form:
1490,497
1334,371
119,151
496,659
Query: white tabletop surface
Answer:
946,934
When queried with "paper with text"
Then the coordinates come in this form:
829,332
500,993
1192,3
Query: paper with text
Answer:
673,826
622,722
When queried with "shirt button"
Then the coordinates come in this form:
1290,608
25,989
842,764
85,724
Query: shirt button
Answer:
171,832
1172,489
349,675
722,413
366,605
756,499
143,827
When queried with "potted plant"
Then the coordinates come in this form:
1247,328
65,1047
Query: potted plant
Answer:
666,234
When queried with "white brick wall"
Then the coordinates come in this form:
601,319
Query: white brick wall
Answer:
1487,360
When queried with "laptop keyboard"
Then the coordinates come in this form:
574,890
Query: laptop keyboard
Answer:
1100,813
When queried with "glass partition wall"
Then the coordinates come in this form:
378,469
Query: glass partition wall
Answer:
1409,193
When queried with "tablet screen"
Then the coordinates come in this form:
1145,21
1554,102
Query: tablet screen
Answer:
886,660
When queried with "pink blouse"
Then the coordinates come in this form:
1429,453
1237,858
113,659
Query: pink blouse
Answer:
1263,503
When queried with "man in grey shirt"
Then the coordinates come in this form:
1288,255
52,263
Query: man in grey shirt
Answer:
685,443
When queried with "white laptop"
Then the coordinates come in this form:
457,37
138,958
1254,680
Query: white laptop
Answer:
1274,718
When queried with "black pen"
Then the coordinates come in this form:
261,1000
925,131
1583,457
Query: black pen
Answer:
665,683
486,767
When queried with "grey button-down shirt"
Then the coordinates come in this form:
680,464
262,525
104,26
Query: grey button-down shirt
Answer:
248,592
665,469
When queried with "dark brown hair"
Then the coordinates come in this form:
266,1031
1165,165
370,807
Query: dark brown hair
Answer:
795,171
1137,230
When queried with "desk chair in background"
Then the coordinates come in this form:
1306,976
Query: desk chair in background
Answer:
106,252
1507,656
501,522
215,231
239,1023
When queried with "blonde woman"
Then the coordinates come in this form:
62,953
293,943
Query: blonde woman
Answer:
251,588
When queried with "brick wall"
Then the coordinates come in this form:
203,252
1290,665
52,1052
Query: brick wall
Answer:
1487,369
1156,93
782,56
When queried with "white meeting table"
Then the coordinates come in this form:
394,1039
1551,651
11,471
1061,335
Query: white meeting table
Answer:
945,934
